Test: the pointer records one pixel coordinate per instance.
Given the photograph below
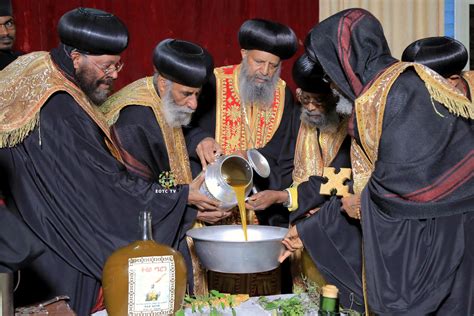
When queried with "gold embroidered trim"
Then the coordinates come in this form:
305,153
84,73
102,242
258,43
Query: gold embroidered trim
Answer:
362,168
25,86
142,92
231,130
370,108
16,136
441,91
312,154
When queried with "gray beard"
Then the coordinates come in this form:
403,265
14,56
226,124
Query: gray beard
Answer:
90,86
252,92
175,115
325,123
344,105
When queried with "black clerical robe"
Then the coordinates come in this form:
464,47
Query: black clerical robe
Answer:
137,132
331,238
80,201
417,207
18,245
413,160
142,145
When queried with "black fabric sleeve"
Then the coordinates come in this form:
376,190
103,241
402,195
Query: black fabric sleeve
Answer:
138,134
279,151
18,245
334,243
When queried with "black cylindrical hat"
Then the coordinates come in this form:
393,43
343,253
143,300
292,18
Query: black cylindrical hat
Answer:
93,31
443,54
6,8
268,36
308,75
183,62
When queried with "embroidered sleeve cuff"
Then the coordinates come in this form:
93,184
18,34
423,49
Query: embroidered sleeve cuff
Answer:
292,204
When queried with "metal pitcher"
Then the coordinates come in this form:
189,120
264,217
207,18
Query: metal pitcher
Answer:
225,169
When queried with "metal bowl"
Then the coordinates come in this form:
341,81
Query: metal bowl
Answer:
222,248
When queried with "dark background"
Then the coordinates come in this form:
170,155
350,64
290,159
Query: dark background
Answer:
211,23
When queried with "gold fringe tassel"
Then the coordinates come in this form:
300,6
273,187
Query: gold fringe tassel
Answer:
456,103
16,136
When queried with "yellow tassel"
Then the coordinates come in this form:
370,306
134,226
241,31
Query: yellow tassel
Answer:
16,136
441,91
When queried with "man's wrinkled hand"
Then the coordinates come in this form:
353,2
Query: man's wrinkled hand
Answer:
212,217
198,199
292,242
264,199
207,150
351,205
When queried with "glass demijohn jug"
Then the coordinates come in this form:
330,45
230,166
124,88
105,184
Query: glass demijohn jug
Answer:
144,277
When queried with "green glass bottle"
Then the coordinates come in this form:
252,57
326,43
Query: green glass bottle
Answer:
329,302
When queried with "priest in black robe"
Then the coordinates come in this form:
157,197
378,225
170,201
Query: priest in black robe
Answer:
7,34
149,117
67,187
249,106
322,141
412,161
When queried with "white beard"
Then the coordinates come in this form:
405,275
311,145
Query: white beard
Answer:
175,115
328,122
251,92
344,105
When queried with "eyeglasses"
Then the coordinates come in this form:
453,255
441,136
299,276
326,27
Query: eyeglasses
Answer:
108,70
305,99
308,100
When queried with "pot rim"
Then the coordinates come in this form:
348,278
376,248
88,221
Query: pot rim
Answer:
191,234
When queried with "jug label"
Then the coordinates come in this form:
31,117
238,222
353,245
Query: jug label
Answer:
151,285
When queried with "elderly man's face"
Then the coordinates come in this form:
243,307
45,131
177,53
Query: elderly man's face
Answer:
7,32
318,108
96,74
258,77
178,101
262,66
185,96
316,103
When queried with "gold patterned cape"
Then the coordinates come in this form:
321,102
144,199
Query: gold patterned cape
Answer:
142,92
239,128
25,86
313,153
370,107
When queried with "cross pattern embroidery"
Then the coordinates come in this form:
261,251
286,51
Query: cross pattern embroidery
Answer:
335,183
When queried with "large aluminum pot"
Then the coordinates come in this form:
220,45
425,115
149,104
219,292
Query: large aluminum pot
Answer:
223,171
222,248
